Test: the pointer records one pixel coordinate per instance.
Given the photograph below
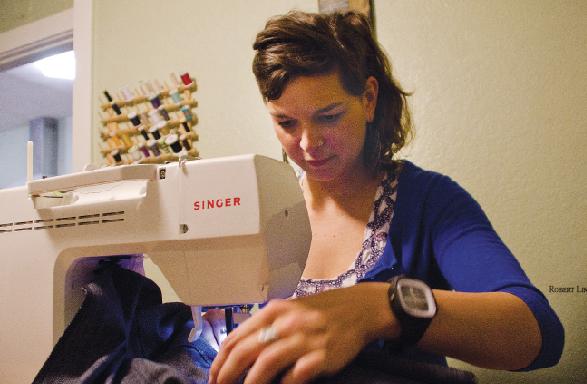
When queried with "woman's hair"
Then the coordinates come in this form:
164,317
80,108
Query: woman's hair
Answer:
303,44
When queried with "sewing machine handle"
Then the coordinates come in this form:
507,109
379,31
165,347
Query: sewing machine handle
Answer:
87,178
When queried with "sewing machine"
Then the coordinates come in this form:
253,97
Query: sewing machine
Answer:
224,231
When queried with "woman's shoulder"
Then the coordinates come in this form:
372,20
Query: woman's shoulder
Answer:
418,186
416,178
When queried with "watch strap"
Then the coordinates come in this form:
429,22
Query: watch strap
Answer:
412,328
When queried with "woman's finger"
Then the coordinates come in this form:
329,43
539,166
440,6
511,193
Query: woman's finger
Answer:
241,357
306,368
262,319
275,358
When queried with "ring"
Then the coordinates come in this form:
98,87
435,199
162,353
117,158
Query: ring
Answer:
267,334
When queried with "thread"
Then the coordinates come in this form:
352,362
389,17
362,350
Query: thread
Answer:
134,119
185,78
116,108
154,146
135,154
156,130
145,150
154,117
164,114
126,140
116,156
176,96
185,142
155,101
186,112
173,141
144,133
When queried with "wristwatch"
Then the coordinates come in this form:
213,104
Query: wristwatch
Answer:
413,304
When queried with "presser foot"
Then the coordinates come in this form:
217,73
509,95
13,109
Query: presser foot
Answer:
197,329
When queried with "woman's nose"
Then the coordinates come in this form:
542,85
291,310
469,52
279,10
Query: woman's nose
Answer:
311,140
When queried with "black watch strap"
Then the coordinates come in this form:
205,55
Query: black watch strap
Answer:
412,328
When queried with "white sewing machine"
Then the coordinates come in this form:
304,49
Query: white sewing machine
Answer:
225,231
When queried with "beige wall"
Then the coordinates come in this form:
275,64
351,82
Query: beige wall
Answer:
499,105
14,13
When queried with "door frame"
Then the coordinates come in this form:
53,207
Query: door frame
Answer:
55,34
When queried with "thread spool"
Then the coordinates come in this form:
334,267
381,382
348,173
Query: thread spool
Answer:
186,79
186,126
156,130
144,132
117,142
135,153
155,117
116,155
164,114
127,94
144,150
173,141
187,112
134,119
175,96
108,96
126,140
126,158
155,100
154,146
116,108
185,142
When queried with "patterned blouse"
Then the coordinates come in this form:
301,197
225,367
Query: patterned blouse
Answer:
373,244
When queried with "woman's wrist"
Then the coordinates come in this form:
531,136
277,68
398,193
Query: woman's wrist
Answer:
382,322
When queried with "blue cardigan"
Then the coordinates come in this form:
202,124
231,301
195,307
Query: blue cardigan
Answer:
440,234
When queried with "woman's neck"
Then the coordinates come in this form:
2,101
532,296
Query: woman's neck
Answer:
343,191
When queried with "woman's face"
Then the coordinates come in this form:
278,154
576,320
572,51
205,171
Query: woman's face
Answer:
321,126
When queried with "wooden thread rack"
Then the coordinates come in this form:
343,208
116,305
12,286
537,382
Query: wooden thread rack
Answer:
154,124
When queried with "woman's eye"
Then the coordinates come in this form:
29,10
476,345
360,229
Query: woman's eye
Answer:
330,118
286,123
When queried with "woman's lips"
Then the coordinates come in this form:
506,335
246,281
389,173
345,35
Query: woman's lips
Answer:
318,163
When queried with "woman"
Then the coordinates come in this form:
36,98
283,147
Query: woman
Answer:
377,224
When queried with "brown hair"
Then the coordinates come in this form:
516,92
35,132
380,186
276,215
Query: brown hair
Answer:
303,44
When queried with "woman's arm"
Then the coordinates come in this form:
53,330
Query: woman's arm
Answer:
491,330
319,335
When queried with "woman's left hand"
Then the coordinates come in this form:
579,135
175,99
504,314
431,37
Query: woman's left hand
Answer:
315,336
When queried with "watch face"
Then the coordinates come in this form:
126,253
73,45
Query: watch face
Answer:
416,298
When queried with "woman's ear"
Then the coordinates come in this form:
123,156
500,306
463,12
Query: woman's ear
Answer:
370,97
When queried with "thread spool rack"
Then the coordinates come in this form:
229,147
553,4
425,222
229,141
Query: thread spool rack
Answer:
154,123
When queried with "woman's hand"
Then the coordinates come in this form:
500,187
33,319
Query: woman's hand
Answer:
316,335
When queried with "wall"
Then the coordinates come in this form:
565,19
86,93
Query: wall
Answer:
499,105
14,13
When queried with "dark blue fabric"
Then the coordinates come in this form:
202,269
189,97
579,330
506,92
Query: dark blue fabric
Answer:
440,234
123,334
